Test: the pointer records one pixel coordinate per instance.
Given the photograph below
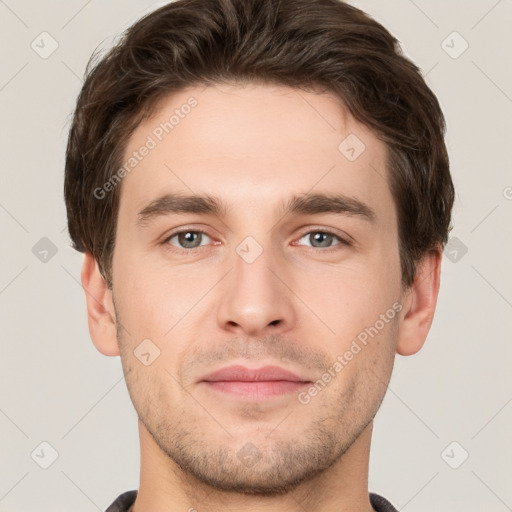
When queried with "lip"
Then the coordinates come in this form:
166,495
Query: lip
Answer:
242,374
254,384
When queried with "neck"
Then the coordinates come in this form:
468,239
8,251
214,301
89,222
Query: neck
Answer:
342,487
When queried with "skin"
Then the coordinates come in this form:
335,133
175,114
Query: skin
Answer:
298,305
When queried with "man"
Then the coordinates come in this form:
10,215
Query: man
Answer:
262,193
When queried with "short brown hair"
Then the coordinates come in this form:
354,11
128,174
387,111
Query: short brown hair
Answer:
298,43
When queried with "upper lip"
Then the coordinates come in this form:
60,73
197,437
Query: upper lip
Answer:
241,373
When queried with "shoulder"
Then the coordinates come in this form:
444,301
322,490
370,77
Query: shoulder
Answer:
123,502
381,504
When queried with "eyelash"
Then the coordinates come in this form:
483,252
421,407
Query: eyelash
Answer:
342,241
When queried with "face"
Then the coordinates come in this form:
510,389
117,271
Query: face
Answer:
290,260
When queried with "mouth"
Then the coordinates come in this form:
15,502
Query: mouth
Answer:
256,390
254,384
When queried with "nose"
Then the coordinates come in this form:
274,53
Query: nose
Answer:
256,298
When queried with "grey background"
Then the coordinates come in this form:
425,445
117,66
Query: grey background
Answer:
56,388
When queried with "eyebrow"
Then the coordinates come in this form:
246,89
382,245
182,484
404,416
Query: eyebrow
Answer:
305,204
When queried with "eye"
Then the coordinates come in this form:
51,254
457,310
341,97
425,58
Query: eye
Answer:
322,239
192,239
187,239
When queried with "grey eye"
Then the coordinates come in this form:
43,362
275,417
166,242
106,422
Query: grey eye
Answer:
188,239
320,239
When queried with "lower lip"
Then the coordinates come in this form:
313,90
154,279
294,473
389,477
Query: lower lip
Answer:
257,390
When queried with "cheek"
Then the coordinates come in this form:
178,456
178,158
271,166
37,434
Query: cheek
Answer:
361,309
350,299
152,297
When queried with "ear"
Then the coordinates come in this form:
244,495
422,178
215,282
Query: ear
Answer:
100,308
420,304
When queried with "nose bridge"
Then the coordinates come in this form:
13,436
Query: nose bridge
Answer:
254,299
251,267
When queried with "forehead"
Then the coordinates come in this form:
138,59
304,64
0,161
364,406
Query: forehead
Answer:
245,143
